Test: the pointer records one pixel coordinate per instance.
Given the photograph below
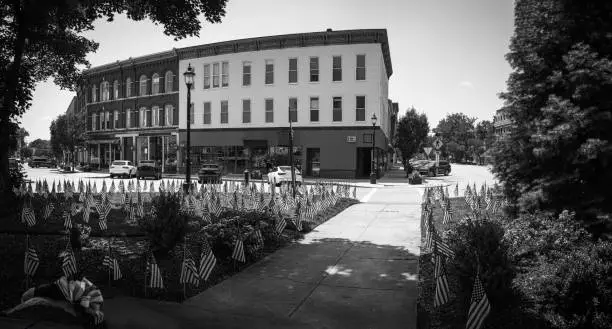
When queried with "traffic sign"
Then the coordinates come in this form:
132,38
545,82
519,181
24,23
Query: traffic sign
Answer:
438,143
427,150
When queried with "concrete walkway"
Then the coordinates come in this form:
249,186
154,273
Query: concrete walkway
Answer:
358,270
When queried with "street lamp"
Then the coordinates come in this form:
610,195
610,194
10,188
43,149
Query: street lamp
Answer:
189,74
373,167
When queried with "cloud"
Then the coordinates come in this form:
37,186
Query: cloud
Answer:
466,84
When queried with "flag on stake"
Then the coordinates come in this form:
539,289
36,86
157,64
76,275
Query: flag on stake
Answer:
27,216
189,271
442,295
67,221
479,306
207,261
238,253
31,262
156,280
69,266
113,265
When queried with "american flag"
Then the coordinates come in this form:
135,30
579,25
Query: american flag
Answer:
281,223
479,306
69,266
258,237
442,247
113,265
102,224
207,261
297,222
430,231
112,188
189,271
442,295
448,215
74,209
67,221
156,280
140,210
31,262
28,216
81,196
48,210
238,253
104,210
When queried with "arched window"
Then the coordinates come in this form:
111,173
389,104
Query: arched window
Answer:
116,89
169,82
128,87
104,90
94,94
155,84
143,85
169,109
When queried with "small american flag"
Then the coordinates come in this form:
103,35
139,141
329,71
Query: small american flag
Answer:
448,215
28,216
69,266
102,224
297,222
31,262
281,223
67,220
113,265
48,210
259,241
238,253
442,295
479,306
156,280
207,261
189,271
112,188
442,247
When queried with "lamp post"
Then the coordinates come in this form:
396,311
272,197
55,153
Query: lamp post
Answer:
373,167
189,74
291,155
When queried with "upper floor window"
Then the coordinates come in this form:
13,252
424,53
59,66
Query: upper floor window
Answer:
314,109
128,118
224,112
93,121
314,69
224,74
206,76
143,85
293,109
116,117
207,114
246,73
246,111
94,94
116,89
215,75
360,108
169,80
337,68
337,109
170,120
155,119
104,89
293,71
155,84
360,69
128,87
269,110
149,122
142,115
269,71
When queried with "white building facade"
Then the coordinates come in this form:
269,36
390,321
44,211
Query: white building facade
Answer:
328,83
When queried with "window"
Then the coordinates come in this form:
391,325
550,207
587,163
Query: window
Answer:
128,87
216,75
169,79
155,84
360,108
104,90
360,70
246,73
117,123
224,112
149,122
128,120
224,74
269,110
116,89
293,73
337,68
134,119
93,121
161,116
337,109
192,113
109,120
314,69
155,116
170,115
269,72
207,113
207,76
94,94
314,109
293,109
143,117
143,85
246,111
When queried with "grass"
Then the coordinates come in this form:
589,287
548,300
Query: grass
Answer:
129,244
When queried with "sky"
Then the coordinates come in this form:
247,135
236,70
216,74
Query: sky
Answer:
447,55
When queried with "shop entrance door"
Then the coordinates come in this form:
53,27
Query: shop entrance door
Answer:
313,162
364,161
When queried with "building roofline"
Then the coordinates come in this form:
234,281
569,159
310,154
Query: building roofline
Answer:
133,61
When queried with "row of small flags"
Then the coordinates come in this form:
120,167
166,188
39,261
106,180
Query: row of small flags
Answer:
479,303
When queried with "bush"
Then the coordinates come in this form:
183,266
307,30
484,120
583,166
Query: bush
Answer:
483,239
169,226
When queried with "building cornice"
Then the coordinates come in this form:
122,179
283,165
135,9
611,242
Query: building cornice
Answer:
146,59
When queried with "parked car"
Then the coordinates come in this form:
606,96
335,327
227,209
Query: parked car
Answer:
444,167
40,161
148,168
429,167
122,168
282,175
209,173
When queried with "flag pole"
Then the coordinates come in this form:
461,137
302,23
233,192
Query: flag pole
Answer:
183,267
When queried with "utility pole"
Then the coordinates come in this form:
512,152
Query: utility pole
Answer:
291,154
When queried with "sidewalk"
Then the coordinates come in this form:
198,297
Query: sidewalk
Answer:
358,270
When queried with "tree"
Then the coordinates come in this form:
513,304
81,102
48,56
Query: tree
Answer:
67,133
25,152
559,98
457,128
41,39
412,129
17,139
